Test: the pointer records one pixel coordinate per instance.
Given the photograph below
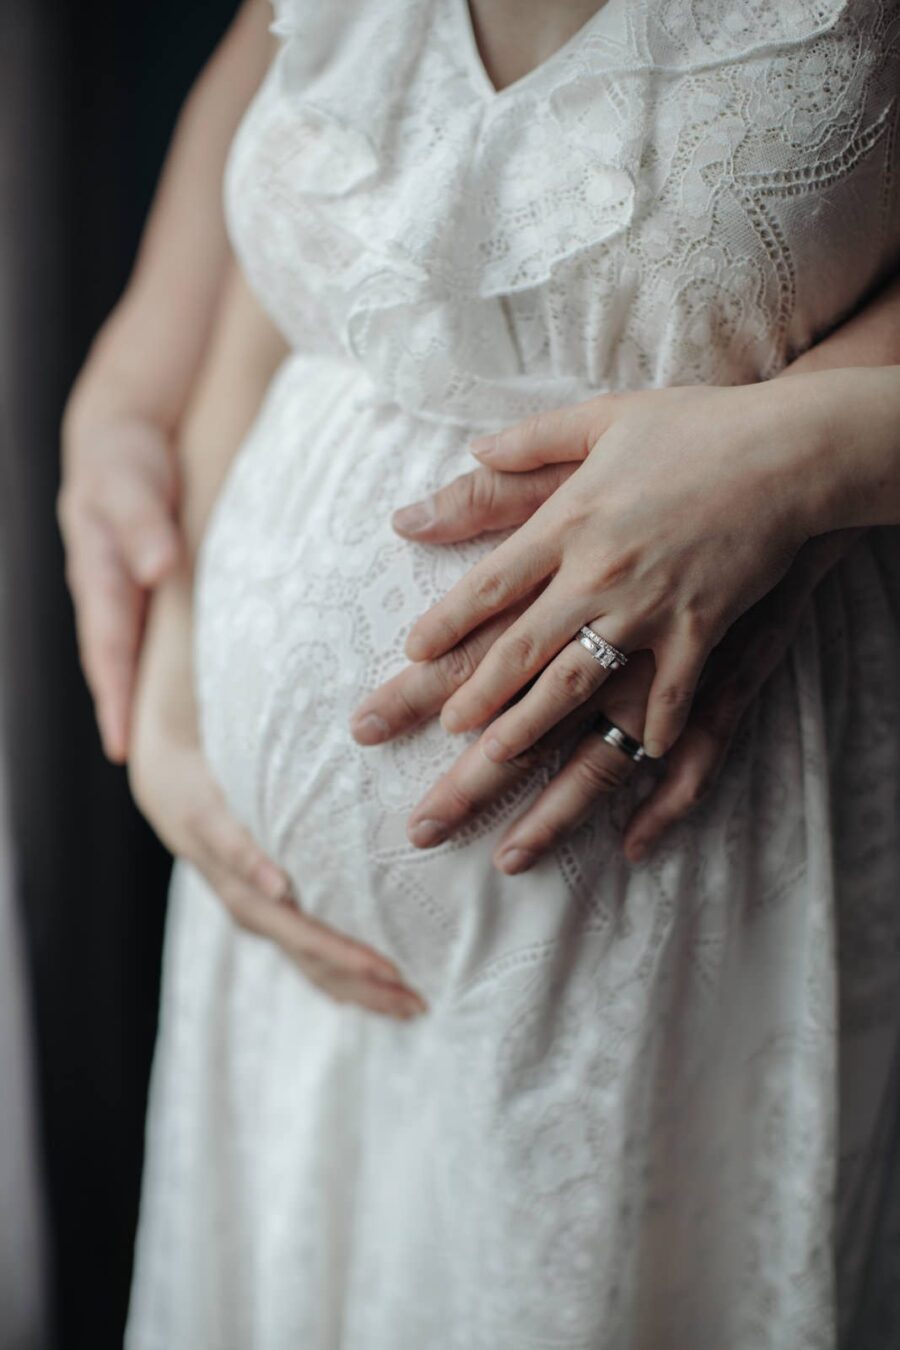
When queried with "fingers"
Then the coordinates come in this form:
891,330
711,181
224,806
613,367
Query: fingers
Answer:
513,569
474,782
692,768
123,477
595,770
567,682
549,437
420,691
116,517
345,970
516,657
259,897
179,796
109,612
679,665
466,789
479,501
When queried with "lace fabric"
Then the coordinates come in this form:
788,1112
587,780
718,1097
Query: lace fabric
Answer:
646,1108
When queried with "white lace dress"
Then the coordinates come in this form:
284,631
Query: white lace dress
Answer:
650,1107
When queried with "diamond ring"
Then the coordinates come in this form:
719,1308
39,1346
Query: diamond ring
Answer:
608,656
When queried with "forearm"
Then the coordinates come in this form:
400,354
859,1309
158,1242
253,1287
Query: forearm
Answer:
870,337
146,356
856,483
243,354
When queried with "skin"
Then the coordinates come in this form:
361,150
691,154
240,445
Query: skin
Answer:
515,36
645,543
135,414
118,503
123,490
169,776
491,499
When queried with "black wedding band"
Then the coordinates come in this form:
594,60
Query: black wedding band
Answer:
614,735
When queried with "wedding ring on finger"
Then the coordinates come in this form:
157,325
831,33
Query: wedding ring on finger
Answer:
613,735
608,656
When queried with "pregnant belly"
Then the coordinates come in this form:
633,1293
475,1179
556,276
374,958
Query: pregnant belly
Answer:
304,599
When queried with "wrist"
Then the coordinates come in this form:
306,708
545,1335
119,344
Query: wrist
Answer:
123,376
858,479
794,443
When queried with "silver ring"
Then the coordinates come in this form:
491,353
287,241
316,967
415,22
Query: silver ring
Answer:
613,735
608,656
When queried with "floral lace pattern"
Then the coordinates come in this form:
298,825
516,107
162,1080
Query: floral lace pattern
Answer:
647,1107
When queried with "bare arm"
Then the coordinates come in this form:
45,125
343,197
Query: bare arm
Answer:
170,778
119,496
147,353
488,499
243,355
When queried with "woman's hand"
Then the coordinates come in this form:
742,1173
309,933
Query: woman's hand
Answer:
175,790
688,507
116,513
738,668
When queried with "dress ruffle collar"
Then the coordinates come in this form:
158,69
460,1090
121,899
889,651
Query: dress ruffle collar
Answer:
370,85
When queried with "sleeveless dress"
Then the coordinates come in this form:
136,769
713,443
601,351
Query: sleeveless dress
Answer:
651,1107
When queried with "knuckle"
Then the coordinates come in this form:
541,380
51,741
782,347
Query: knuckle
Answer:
613,568
518,652
575,682
596,776
526,761
491,589
409,709
676,697
479,491
455,667
703,626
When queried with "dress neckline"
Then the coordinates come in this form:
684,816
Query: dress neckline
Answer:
488,89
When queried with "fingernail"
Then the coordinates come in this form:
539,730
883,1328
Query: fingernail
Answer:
654,749
637,852
484,446
451,720
370,729
516,860
493,750
427,833
410,1008
416,518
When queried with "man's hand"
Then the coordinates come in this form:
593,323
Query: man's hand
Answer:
488,499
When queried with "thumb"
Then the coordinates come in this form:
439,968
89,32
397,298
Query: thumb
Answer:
549,437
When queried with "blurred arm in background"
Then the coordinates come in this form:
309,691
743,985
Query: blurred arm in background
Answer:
119,497
170,778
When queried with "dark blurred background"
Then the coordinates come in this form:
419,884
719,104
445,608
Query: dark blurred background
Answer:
88,96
